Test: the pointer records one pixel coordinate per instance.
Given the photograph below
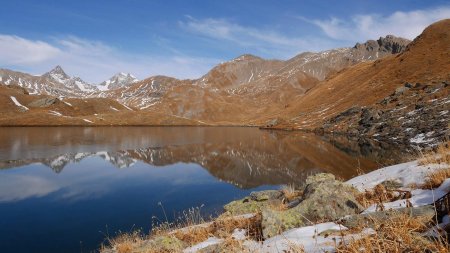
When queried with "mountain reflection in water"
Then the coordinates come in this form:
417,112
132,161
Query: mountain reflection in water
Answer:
245,157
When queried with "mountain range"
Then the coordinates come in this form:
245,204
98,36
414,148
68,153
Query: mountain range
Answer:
303,92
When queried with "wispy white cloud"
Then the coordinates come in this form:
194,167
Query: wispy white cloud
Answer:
266,41
94,61
17,50
363,27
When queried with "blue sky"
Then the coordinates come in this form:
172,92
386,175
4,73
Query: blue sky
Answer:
184,39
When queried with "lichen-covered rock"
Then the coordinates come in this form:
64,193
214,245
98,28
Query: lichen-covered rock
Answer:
324,199
163,244
265,195
276,221
244,206
320,177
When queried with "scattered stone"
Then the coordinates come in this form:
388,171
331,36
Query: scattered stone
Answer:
369,115
401,90
272,123
400,117
392,184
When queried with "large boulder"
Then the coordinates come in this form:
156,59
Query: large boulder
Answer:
324,199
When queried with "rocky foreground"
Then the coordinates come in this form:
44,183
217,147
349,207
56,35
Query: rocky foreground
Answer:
325,214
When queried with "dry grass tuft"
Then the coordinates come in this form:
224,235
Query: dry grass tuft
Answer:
190,228
231,245
124,242
222,227
187,218
399,233
295,248
379,195
436,178
441,155
290,192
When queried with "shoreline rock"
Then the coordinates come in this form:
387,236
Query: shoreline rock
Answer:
324,199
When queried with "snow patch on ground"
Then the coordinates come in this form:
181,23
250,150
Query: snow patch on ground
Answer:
210,241
113,108
405,173
309,237
18,104
422,138
55,113
127,107
88,121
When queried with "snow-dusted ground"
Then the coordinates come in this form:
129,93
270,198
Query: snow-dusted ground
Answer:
309,237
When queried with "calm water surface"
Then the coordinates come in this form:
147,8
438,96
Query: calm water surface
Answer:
66,189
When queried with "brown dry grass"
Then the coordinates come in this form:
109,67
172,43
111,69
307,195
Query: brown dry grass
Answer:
222,227
379,195
290,192
399,233
124,242
436,178
191,229
439,156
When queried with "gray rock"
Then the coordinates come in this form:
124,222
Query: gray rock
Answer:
324,199
43,102
265,195
369,115
400,90
272,122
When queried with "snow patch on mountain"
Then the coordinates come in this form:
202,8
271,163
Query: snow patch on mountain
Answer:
18,104
117,81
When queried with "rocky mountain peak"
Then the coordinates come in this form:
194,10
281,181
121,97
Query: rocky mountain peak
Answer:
57,73
389,44
119,80
246,57
393,44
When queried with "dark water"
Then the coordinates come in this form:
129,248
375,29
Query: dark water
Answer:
66,189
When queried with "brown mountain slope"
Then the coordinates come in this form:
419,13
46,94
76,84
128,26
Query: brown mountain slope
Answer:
44,110
426,60
249,90
245,91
